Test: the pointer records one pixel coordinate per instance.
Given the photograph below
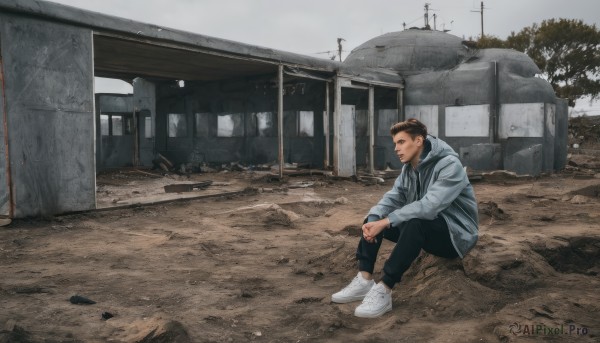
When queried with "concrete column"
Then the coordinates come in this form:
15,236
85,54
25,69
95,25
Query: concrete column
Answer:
337,112
280,117
371,129
326,115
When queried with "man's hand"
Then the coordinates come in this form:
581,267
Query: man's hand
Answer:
372,229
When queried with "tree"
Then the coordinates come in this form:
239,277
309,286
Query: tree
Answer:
567,52
489,41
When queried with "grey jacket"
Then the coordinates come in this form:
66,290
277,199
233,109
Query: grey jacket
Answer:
445,191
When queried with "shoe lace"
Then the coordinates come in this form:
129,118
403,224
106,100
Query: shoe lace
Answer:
373,296
354,284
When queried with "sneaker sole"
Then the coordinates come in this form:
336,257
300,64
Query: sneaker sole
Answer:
346,300
374,315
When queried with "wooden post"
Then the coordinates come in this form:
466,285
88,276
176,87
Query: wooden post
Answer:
371,129
280,118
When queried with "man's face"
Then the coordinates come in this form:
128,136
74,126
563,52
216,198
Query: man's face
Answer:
408,149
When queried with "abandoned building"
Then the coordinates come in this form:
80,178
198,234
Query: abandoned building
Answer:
199,99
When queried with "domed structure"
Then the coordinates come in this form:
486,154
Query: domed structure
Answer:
409,52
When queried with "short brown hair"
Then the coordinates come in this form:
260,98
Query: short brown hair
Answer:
412,126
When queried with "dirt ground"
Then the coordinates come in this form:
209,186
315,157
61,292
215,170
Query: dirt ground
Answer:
261,265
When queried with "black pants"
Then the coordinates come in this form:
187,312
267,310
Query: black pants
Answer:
410,237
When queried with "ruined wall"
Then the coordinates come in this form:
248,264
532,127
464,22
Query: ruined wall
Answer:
459,105
236,120
48,72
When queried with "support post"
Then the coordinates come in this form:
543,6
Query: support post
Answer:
136,138
494,106
371,129
326,115
400,104
337,112
280,117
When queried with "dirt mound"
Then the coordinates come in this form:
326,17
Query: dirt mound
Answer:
154,330
268,213
489,210
506,265
440,289
311,209
592,191
352,230
580,255
172,331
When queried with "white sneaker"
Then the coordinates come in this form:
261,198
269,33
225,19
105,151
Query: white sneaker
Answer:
376,303
356,290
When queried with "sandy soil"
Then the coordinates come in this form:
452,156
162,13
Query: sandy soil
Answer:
261,266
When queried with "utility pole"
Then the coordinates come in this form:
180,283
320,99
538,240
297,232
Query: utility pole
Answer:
481,11
427,15
434,25
339,40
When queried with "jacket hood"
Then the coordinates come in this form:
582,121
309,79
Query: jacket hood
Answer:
435,149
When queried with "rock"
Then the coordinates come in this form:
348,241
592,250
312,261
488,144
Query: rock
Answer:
172,331
579,199
597,176
341,201
78,300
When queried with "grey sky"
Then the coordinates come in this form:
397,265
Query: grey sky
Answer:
312,26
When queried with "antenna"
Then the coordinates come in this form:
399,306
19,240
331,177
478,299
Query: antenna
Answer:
334,54
339,41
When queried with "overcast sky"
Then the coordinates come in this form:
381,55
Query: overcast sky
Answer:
312,26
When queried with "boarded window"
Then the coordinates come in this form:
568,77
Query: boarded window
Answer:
230,125
148,127
104,125
117,125
426,114
468,121
306,124
177,125
265,124
201,124
521,120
